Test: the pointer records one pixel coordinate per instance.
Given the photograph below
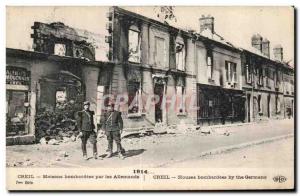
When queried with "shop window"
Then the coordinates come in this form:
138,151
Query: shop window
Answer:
259,103
134,97
60,49
160,52
180,56
16,112
231,75
209,62
17,101
180,91
134,44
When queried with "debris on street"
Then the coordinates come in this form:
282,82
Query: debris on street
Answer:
53,127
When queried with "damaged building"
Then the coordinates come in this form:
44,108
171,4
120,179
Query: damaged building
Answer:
61,69
151,58
163,74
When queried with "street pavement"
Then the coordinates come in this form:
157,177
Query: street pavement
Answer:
167,150
274,154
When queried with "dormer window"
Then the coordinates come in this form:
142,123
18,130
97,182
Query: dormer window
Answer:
134,44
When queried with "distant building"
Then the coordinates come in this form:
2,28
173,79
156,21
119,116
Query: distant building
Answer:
264,81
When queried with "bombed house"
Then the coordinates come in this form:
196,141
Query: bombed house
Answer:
61,70
154,59
155,73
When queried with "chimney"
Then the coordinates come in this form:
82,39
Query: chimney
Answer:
256,42
278,53
207,22
266,47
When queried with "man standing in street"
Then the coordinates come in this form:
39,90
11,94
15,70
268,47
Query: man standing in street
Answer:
112,124
85,123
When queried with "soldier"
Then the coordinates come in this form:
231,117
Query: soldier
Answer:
85,123
112,124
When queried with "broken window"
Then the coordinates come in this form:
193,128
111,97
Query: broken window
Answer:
134,44
230,69
180,55
180,91
134,97
209,62
60,49
61,95
160,51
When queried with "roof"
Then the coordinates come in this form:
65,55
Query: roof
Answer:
215,38
256,52
12,52
208,35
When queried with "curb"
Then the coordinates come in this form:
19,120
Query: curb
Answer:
230,148
242,124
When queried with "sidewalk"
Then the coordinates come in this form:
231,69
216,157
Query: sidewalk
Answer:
151,151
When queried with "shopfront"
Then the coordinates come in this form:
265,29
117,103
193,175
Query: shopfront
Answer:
17,101
218,105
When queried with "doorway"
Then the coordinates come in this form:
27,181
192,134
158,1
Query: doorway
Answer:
159,91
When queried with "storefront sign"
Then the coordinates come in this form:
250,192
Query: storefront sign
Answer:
17,76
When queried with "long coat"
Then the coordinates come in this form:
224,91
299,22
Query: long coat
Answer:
85,120
111,121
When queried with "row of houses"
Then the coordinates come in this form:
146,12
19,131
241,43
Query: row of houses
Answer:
156,73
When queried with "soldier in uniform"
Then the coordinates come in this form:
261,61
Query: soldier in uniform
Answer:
85,123
112,124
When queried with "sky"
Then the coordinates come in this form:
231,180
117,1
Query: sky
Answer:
235,24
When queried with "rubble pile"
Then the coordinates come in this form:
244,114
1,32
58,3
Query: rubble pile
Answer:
57,126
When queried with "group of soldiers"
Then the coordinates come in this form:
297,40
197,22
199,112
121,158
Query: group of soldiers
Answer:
111,123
